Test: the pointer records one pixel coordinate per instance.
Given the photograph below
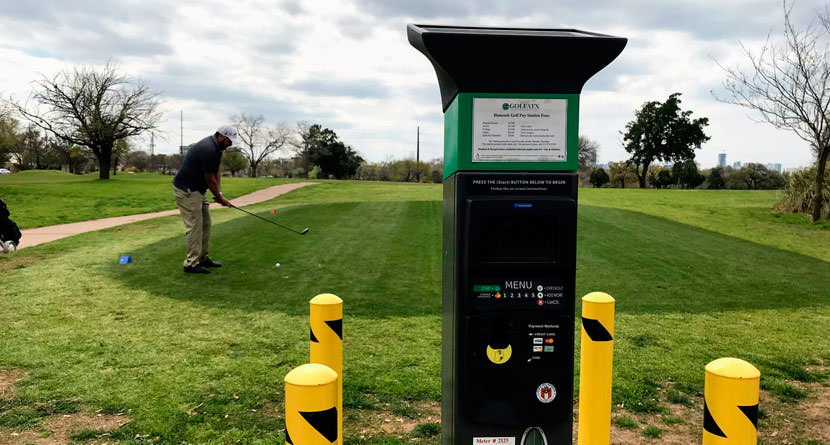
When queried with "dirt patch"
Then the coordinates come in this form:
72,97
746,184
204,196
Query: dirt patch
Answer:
59,429
272,409
817,414
783,423
10,262
681,424
366,423
787,423
9,378
54,430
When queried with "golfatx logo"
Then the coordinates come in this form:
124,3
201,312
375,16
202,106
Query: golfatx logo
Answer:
508,106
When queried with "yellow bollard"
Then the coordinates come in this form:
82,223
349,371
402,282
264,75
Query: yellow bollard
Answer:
311,406
327,343
730,403
595,366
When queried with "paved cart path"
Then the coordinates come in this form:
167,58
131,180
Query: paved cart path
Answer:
40,235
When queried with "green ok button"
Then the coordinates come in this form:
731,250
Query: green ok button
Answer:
486,288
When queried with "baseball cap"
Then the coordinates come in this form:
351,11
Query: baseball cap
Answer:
230,133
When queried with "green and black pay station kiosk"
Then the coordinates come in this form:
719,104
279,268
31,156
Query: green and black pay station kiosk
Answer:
511,112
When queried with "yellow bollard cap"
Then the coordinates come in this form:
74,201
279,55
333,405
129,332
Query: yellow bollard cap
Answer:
598,297
326,299
311,374
733,368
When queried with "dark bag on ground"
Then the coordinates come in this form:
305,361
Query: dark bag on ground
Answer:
8,229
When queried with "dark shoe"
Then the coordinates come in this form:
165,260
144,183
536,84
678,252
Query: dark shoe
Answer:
196,269
207,262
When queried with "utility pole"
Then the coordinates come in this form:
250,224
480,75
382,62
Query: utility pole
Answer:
152,145
418,155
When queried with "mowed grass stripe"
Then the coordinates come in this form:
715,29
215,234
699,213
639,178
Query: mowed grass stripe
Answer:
744,214
657,265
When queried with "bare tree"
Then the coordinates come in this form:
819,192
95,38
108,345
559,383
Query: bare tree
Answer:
9,135
587,152
259,140
302,147
789,85
92,108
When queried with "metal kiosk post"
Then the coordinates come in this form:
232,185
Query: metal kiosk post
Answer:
511,111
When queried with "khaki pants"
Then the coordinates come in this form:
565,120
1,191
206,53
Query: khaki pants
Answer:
194,209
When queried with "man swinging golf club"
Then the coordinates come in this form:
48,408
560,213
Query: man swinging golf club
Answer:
199,172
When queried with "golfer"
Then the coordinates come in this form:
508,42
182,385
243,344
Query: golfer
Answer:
199,172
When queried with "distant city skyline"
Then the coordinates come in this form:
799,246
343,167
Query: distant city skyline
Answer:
776,166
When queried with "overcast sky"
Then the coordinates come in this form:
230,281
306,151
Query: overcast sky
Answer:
347,64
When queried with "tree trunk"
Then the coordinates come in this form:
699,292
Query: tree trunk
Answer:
254,166
104,162
642,178
818,199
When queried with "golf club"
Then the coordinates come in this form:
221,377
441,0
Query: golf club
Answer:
303,232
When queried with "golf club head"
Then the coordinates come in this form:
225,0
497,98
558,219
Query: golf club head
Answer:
304,231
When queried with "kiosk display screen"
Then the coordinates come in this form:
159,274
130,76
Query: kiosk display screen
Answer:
518,237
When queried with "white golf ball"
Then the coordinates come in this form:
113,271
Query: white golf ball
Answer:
277,265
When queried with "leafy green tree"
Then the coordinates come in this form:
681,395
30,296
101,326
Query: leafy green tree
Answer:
29,151
68,156
407,170
755,176
715,180
662,132
599,177
687,175
234,161
621,172
321,147
659,176
367,172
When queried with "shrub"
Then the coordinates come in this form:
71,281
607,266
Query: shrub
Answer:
799,193
626,422
315,173
599,177
428,429
652,432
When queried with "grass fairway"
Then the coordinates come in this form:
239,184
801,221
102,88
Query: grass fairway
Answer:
45,197
201,359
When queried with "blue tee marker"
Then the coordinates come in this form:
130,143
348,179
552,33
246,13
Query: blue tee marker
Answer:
125,259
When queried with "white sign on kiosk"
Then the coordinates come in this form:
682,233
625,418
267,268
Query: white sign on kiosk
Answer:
520,130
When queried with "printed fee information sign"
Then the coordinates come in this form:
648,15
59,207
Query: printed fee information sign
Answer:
519,130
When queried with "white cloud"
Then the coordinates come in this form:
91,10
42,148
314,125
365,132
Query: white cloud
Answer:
348,65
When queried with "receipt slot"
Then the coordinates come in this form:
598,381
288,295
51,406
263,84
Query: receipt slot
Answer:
511,110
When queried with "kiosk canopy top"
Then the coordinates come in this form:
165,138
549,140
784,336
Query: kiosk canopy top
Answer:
468,30
512,60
